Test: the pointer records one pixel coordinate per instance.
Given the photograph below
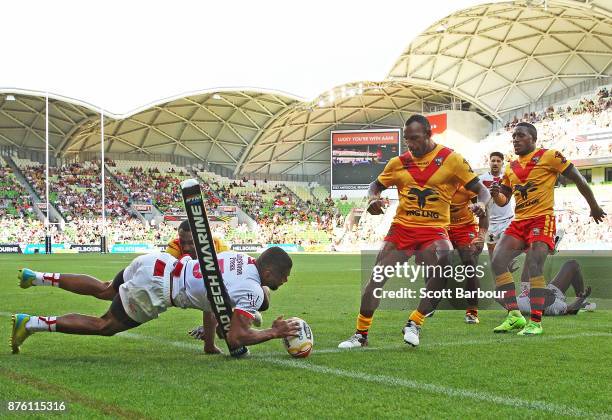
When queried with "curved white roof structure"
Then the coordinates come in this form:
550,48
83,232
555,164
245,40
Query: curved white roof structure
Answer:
491,58
502,56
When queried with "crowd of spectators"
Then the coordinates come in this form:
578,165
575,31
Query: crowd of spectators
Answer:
563,129
162,189
75,190
14,199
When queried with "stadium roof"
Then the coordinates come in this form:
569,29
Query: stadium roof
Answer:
502,56
497,56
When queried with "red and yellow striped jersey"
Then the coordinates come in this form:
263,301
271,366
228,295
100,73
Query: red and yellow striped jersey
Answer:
426,185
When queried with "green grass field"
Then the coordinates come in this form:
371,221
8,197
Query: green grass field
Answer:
157,371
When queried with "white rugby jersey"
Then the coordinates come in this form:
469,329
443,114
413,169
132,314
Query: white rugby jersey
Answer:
240,277
497,214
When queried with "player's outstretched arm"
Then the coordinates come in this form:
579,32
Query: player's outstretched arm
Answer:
375,204
597,212
241,333
209,322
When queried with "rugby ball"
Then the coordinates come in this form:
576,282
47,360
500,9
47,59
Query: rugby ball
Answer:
300,345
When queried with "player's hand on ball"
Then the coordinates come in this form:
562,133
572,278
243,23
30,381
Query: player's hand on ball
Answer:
598,214
197,333
375,207
285,327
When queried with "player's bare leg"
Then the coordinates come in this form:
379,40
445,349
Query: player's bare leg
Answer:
570,274
508,248
534,261
388,255
472,283
491,249
81,284
112,322
436,254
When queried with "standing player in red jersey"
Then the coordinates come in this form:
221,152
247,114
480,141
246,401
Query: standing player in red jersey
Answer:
531,178
426,178
467,238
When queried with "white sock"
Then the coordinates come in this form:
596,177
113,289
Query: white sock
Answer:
41,323
46,279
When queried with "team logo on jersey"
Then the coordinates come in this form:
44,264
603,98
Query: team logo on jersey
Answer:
438,161
535,159
524,189
423,196
536,231
558,155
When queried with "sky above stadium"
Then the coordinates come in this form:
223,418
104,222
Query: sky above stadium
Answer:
124,55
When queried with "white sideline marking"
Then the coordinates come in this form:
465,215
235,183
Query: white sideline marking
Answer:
405,383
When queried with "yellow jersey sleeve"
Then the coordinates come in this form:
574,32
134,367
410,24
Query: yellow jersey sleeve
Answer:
505,181
556,161
174,248
220,245
462,169
388,177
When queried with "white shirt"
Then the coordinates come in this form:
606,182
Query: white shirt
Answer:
240,277
497,214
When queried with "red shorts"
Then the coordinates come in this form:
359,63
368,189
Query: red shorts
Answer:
536,229
462,235
412,239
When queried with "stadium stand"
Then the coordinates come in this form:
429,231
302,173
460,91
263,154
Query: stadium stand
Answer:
579,129
75,189
14,200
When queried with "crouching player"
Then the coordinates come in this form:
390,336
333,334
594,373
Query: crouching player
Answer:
155,282
468,239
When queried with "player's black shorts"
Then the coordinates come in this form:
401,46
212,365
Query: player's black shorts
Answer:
119,312
118,280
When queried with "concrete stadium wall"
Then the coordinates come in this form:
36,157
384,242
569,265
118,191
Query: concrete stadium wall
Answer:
464,130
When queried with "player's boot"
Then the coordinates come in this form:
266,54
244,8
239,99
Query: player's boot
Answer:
588,306
19,333
411,333
533,328
471,318
355,341
514,321
26,278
